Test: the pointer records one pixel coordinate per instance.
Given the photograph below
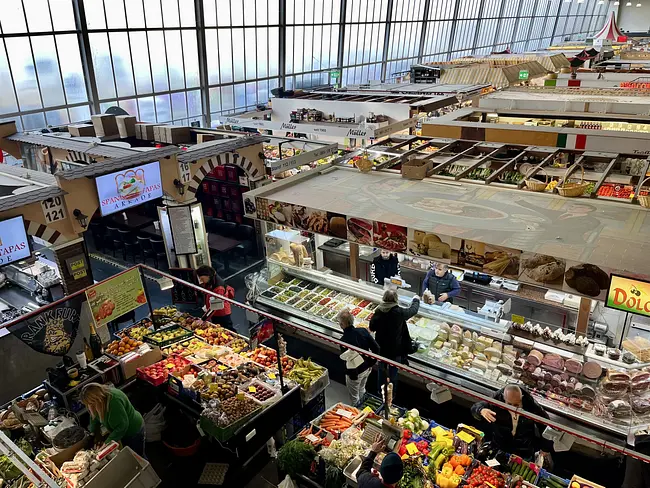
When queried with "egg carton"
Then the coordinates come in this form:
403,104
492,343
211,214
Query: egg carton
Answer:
213,474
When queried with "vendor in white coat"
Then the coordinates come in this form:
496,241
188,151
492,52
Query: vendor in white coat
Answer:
357,367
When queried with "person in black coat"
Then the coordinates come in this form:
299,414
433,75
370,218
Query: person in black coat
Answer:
512,432
442,284
386,265
356,377
637,473
390,471
392,333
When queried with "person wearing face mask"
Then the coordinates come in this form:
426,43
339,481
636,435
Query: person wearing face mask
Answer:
512,432
442,284
386,265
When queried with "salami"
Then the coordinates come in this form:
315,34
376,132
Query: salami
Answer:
535,358
573,366
592,370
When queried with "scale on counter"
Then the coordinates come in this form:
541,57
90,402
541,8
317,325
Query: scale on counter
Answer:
391,433
495,309
395,282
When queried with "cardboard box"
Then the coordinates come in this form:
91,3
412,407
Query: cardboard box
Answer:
416,169
144,131
126,125
159,133
175,134
82,130
105,125
67,454
200,138
150,357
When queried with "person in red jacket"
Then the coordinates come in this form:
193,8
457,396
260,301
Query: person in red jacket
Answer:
208,278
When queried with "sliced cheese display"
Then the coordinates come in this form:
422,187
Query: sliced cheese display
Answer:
482,365
492,352
508,359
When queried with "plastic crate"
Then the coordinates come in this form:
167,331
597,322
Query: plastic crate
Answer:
142,374
224,433
519,461
187,335
175,385
246,388
543,474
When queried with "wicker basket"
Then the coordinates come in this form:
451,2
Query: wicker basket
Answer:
644,200
570,189
536,185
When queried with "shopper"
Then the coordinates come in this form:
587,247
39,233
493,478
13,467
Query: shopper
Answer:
510,431
357,367
637,472
390,471
207,277
392,334
386,265
442,284
111,409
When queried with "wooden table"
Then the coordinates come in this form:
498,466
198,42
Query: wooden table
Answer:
222,245
135,221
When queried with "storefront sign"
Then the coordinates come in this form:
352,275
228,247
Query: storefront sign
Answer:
13,241
303,158
116,296
52,331
53,209
182,226
129,188
629,295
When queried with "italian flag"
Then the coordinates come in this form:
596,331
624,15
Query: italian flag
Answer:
572,141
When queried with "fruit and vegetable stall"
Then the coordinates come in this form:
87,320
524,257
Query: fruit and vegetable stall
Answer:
433,455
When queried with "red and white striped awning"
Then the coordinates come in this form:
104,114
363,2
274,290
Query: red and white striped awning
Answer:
610,30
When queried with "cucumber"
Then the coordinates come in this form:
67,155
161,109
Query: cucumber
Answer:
531,476
553,484
522,469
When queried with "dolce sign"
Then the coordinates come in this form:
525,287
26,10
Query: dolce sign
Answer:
13,241
629,295
128,188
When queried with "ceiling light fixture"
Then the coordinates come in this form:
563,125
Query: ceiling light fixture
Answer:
581,1
628,4
601,2
616,4
638,5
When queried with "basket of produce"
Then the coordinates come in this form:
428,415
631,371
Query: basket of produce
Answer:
164,315
644,200
184,347
526,471
214,386
137,331
571,188
215,335
549,480
264,356
167,336
312,378
337,419
537,185
179,383
261,392
482,476
119,348
157,373
223,420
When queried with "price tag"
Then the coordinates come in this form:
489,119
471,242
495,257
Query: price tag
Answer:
492,463
412,448
225,336
518,319
271,376
240,396
252,389
465,437
312,438
261,356
344,413
222,367
368,410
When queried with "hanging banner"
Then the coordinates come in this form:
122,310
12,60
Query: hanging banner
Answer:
116,296
52,331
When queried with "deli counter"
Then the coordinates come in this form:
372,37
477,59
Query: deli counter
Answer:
472,350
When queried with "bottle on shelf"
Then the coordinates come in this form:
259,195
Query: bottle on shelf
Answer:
95,342
88,351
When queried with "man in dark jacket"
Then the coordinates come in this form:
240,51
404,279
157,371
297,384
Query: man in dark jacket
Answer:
510,431
442,284
357,367
390,471
386,265
392,333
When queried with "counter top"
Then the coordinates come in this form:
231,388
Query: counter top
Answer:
331,246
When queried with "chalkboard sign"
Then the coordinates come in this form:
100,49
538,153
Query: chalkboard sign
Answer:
182,293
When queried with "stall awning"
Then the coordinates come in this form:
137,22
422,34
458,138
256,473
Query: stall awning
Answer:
20,186
70,144
214,148
111,165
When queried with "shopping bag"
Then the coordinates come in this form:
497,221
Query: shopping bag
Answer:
287,482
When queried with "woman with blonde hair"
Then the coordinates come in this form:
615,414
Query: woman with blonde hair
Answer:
111,409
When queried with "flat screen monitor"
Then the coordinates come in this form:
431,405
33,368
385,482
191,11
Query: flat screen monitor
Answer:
128,188
14,244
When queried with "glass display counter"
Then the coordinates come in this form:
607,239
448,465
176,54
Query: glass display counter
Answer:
468,349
